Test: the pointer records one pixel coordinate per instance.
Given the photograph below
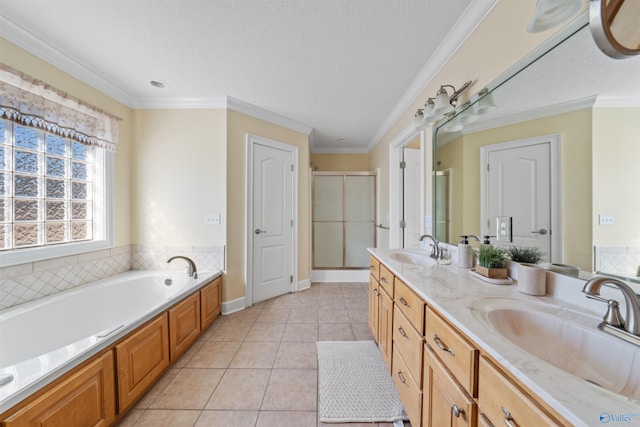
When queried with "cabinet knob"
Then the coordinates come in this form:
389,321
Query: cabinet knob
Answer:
508,419
457,411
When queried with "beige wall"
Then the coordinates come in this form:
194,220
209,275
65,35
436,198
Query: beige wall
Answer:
340,162
238,126
575,154
616,175
35,67
178,176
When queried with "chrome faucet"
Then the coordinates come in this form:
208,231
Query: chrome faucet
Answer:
435,251
632,302
192,270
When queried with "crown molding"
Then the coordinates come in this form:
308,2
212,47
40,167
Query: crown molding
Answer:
218,102
40,48
460,32
340,150
266,115
617,102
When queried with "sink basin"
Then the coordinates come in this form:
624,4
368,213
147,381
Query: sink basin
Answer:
567,340
409,256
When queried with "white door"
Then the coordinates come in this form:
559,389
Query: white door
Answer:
411,197
519,186
272,255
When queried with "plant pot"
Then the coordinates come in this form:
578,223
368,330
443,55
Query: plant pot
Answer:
532,279
493,273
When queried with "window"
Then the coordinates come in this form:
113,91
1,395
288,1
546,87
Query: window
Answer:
56,172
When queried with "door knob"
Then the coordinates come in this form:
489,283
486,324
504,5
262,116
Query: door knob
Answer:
542,231
258,231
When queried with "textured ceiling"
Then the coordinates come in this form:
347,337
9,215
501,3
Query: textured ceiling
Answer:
337,66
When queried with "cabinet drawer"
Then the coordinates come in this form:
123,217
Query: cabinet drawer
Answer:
374,267
386,280
457,354
411,305
409,344
499,398
445,402
408,390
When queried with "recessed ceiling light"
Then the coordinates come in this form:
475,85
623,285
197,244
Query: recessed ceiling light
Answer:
343,140
158,84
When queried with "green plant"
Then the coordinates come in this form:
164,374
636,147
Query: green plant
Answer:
528,254
492,257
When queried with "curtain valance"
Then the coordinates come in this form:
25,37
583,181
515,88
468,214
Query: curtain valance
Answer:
32,102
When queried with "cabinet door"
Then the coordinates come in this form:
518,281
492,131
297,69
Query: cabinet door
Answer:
408,391
184,325
86,399
210,303
385,327
445,402
502,402
140,359
374,302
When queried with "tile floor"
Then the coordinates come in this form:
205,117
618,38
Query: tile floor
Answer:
258,367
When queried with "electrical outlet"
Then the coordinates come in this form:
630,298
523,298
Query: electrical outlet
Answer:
212,219
504,231
606,219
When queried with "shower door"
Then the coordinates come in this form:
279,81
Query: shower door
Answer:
343,219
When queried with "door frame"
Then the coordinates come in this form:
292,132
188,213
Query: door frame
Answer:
252,140
556,185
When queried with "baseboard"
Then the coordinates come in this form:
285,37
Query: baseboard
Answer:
304,284
340,275
232,306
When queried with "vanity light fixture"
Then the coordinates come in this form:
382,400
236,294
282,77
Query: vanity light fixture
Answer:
436,107
550,13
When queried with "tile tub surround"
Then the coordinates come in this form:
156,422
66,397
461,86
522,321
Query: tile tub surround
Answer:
258,367
207,258
452,292
620,260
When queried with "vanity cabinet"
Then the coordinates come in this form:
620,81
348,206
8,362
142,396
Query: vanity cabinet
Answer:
408,390
374,304
381,310
85,399
210,303
184,325
140,359
385,327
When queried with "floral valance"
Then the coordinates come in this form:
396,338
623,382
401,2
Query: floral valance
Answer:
32,102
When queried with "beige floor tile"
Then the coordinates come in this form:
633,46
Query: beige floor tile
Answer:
240,389
356,303
358,316
291,390
361,331
167,418
335,301
330,315
266,332
282,419
182,360
300,332
190,389
227,419
299,355
214,354
229,331
273,315
131,418
335,332
283,301
259,355
163,382
247,315
303,315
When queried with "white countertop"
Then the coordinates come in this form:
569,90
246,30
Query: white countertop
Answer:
455,294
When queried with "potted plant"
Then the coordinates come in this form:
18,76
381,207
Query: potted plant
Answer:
528,254
531,278
491,262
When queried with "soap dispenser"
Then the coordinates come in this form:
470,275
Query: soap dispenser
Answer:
465,253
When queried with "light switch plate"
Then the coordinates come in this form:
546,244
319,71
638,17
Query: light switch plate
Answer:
605,219
504,231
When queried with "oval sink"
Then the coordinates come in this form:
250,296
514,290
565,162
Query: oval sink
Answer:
566,340
409,256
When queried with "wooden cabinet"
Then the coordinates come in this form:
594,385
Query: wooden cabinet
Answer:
140,359
385,327
374,268
502,402
374,304
409,392
210,303
409,343
184,325
386,280
445,402
85,399
410,304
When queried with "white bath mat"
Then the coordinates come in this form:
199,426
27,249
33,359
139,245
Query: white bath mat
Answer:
354,384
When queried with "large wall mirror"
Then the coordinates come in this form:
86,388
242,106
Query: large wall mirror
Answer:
549,156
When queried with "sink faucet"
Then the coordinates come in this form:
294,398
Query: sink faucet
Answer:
192,271
435,252
632,301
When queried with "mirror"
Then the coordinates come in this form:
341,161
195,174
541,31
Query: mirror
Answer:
584,108
614,24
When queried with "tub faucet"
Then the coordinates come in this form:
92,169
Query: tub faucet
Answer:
192,271
435,251
632,302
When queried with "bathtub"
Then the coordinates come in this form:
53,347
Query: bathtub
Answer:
43,339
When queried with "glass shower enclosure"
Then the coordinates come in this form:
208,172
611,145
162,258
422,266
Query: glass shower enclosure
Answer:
343,218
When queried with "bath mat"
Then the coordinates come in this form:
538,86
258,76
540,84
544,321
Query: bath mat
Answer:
354,384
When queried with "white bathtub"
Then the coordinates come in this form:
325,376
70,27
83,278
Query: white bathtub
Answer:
41,340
